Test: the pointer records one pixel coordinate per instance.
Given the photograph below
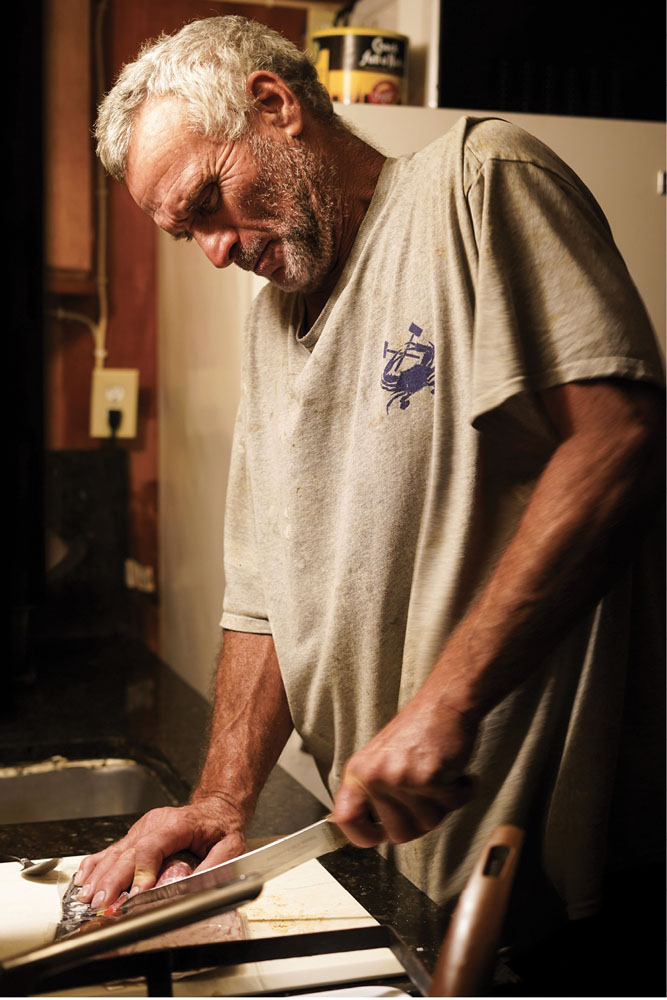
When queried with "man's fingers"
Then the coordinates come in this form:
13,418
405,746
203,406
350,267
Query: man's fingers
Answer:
352,813
114,874
148,860
134,862
86,868
229,847
407,815
401,815
91,875
398,819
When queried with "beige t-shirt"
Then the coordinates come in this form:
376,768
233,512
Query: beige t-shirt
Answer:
383,460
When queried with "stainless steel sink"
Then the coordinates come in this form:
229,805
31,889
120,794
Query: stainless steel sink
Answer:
60,788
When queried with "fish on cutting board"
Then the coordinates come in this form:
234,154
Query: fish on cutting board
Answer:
78,917
303,900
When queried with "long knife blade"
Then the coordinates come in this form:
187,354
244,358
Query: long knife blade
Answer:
263,863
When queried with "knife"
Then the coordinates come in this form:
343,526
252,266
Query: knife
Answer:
263,863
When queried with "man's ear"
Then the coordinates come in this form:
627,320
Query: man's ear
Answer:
275,103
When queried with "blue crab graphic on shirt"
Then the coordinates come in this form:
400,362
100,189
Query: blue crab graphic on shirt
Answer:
409,369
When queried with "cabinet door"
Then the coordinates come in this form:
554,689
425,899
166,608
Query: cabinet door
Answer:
68,153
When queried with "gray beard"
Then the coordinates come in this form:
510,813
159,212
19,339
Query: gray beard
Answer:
301,190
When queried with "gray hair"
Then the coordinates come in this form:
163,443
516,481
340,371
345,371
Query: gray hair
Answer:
206,65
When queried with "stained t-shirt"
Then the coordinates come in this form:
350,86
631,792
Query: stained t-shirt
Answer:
383,459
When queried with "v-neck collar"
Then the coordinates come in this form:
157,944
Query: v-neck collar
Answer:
311,336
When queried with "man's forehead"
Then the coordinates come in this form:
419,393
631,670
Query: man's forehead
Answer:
164,158
162,144
158,120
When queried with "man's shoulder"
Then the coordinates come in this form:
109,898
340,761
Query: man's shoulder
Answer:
476,141
482,134
496,139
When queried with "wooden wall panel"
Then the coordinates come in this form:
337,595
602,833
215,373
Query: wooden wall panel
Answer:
132,337
68,165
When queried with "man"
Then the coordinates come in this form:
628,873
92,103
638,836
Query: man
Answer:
448,439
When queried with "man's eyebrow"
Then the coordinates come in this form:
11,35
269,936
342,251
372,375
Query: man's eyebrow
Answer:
191,202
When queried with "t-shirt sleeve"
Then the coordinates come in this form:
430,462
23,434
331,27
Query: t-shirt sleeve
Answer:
244,607
554,300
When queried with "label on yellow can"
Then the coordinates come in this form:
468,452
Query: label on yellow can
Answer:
362,65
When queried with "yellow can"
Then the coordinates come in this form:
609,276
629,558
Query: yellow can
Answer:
362,65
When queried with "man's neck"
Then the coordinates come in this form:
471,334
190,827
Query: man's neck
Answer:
358,168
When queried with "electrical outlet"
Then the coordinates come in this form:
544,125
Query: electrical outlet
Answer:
114,397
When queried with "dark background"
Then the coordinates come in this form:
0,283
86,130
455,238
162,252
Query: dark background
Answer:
573,57
23,333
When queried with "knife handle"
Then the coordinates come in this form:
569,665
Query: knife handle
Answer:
466,958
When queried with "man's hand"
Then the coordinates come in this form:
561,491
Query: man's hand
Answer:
208,828
406,780
250,725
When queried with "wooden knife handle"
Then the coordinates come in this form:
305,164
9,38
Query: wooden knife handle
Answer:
468,953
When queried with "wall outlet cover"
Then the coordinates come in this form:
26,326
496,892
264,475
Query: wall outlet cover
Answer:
115,392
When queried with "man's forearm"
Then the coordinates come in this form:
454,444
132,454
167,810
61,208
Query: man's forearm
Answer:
250,725
581,523
251,722
586,505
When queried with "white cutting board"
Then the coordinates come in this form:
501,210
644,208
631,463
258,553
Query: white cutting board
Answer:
303,900
30,908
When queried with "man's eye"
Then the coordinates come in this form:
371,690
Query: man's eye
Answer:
210,200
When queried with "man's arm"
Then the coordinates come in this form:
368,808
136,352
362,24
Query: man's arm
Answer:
581,521
250,725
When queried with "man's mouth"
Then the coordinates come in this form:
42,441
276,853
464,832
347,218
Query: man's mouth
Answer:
261,260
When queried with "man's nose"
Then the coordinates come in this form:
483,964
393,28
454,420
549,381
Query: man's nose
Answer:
218,245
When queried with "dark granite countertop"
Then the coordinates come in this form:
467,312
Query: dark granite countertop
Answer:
113,697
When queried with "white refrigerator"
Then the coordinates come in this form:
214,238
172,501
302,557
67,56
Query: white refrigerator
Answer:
621,162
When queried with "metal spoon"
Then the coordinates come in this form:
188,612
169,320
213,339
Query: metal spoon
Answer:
32,869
